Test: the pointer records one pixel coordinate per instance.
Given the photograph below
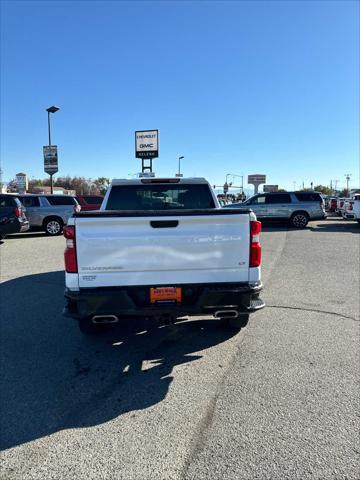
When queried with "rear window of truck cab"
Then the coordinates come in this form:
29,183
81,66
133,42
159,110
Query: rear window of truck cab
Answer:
160,197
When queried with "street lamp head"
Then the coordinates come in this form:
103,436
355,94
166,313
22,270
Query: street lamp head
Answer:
180,158
52,109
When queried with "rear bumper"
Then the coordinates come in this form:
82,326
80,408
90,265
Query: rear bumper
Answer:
135,301
14,227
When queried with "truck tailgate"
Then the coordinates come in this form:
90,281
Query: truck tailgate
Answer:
153,250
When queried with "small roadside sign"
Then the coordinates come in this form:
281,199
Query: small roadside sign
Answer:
22,182
270,188
50,159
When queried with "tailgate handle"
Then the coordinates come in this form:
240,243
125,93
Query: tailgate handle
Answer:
164,223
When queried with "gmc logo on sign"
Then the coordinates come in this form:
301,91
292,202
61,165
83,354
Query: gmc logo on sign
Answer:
146,145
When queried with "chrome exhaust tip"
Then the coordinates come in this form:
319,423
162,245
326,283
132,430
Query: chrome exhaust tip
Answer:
226,314
102,319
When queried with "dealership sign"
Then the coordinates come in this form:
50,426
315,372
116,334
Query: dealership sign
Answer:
256,178
50,159
270,188
147,144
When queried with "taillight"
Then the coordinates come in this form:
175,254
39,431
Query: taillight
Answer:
70,250
255,246
17,212
350,206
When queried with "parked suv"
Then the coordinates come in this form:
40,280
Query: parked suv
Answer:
296,207
49,212
90,202
12,215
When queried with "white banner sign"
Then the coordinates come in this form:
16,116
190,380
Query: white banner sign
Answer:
50,159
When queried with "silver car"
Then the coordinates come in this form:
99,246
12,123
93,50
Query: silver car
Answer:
295,207
49,212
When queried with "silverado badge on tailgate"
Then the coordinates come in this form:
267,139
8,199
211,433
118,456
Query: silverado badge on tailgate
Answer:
165,295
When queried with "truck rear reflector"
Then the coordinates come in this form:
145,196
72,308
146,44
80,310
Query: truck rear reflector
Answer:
70,250
255,246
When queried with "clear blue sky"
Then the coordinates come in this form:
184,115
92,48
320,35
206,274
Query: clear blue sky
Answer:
235,87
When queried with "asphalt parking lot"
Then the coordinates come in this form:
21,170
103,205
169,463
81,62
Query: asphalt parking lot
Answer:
276,400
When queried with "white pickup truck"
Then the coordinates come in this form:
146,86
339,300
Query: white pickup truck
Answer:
163,249
352,208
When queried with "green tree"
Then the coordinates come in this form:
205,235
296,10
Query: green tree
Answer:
323,189
102,184
344,193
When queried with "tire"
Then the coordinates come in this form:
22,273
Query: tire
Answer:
87,327
299,220
53,226
235,323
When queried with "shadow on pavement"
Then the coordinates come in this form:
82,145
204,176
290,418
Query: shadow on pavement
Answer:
28,234
53,378
339,226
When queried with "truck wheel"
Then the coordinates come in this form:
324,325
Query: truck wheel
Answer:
87,327
299,220
240,322
53,226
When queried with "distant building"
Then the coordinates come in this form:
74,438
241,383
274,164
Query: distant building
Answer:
47,190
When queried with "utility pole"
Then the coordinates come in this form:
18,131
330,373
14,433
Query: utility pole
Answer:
336,182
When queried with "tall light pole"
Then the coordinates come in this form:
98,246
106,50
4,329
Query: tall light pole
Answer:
179,171
52,109
347,177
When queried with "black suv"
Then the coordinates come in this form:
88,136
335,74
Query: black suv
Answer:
12,215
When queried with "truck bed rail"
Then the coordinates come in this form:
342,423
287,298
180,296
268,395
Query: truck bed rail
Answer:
161,213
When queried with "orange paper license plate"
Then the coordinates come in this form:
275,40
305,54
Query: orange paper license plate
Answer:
165,294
